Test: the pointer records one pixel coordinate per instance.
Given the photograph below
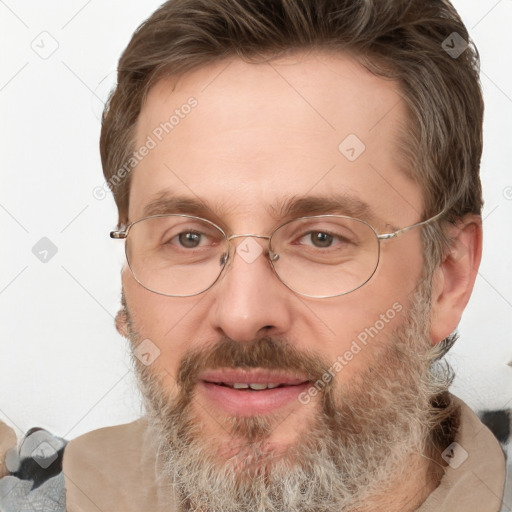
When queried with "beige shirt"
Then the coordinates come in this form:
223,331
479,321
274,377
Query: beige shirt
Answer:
7,440
115,469
477,485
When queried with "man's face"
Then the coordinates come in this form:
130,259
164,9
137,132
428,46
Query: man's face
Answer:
261,135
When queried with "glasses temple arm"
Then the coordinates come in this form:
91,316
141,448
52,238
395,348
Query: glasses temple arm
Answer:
394,234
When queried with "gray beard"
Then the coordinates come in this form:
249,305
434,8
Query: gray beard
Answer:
350,453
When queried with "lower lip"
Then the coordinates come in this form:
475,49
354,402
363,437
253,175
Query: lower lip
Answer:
246,402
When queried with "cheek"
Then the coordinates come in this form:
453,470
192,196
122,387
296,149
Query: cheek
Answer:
402,263
362,323
363,328
168,322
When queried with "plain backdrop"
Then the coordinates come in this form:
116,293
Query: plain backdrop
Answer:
62,364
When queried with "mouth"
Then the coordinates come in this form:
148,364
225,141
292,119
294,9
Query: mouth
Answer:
251,392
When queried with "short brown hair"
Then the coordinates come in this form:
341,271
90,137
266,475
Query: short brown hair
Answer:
397,39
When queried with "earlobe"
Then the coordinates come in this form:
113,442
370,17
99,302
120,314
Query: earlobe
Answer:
454,279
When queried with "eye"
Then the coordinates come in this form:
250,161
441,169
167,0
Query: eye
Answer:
322,239
190,239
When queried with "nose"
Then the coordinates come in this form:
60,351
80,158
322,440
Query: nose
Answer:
250,301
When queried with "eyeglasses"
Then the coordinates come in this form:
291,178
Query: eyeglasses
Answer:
319,256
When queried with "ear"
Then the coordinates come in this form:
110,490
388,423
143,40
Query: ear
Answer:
454,278
122,322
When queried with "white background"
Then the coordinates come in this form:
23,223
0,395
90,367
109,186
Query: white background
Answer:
62,364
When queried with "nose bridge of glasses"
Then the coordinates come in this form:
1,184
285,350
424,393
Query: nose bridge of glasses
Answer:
231,237
243,236
247,235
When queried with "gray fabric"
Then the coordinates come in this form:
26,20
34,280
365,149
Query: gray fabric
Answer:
36,482
17,495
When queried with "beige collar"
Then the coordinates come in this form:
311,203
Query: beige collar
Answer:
476,485
7,441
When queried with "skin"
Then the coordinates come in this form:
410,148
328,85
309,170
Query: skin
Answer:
261,133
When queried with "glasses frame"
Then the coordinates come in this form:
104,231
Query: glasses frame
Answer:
122,234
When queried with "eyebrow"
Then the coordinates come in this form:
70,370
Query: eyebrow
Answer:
284,209
339,204
165,203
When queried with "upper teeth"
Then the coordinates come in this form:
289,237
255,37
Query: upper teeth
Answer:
243,385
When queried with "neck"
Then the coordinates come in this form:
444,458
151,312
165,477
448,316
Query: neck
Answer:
419,478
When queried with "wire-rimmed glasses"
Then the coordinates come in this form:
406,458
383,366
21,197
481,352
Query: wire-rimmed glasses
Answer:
319,256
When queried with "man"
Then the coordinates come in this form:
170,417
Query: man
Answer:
298,190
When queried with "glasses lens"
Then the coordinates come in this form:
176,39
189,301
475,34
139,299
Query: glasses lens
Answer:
325,256
176,255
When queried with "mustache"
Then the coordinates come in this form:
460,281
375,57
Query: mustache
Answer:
265,352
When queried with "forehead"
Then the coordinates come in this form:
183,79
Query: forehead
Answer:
241,137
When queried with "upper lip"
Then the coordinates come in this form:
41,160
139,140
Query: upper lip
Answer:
251,376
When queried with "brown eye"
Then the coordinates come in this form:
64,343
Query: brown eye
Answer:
319,239
190,240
